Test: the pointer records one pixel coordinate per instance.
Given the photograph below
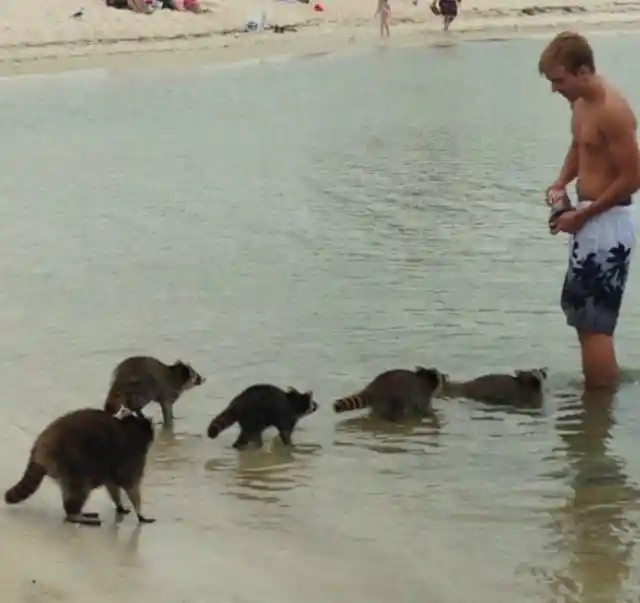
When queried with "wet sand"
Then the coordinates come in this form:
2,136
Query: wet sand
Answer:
193,553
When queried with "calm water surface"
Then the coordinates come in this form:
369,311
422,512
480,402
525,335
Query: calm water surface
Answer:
312,223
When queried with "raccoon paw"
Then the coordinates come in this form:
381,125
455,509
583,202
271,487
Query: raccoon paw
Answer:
143,519
120,510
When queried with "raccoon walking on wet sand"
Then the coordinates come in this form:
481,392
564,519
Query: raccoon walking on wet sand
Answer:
396,394
83,450
139,380
261,406
523,389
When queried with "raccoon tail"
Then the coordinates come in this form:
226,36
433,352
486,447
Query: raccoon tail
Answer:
30,482
221,422
353,402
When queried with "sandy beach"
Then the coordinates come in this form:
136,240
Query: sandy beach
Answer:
36,38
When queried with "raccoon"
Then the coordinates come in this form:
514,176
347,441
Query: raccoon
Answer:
523,389
261,406
396,394
139,380
83,450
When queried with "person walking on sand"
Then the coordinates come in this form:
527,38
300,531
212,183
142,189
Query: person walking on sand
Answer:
605,161
447,9
384,12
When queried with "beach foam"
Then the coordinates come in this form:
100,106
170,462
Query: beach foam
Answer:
40,33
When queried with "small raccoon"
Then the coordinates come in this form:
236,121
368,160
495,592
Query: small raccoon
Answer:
83,450
396,394
261,406
523,389
139,380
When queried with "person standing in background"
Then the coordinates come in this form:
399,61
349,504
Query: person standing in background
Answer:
384,12
447,9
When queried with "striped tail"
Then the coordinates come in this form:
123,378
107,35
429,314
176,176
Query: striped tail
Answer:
354,402
221,422
28,484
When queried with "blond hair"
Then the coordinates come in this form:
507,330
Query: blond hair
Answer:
569,50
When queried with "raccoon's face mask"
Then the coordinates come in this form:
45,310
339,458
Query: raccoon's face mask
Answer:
192,378
533,379
303,402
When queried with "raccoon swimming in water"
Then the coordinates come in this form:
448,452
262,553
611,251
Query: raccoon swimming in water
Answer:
261,406
396,394
139,380
83,450
523,389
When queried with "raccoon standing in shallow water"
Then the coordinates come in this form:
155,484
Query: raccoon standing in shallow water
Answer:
523,389
396,394
83,450
261,406
138,380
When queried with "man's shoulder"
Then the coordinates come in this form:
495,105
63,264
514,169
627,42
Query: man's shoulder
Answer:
616,110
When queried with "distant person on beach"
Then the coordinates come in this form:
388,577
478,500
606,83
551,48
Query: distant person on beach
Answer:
147,6
191,5
137,6
447,9
384,12
605,160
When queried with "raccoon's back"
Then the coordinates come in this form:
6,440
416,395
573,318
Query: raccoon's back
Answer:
261,404
76,421
137,367
496,389
394,382
256,397
135,382
78,437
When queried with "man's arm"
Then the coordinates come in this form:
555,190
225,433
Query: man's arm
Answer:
619,129
569,171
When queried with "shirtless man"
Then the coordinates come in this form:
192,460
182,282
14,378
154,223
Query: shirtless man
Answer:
604,158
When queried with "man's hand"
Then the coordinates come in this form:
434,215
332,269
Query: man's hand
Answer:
570,222
556,188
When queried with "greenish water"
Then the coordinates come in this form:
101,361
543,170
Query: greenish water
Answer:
312,223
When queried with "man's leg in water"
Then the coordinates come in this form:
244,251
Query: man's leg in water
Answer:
599,365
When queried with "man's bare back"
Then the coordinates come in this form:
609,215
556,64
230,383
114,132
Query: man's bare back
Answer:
591,133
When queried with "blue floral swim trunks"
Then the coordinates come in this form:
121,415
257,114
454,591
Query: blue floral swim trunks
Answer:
599,257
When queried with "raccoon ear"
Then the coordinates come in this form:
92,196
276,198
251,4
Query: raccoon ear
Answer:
122,412
309,394
528,378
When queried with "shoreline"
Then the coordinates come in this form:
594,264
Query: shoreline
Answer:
178,47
